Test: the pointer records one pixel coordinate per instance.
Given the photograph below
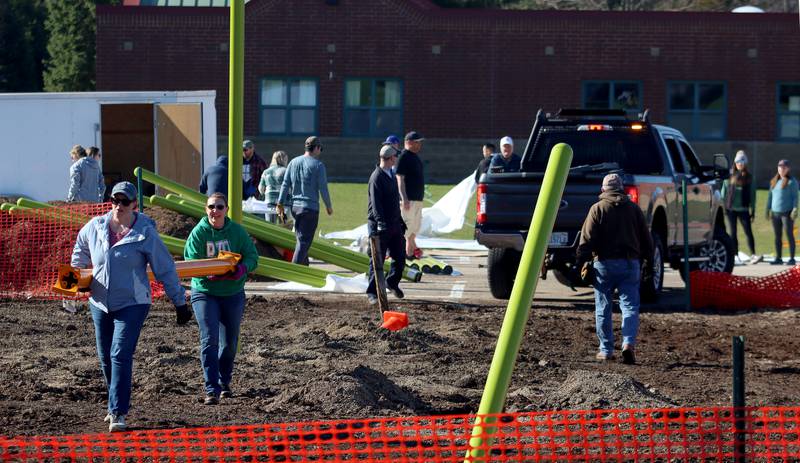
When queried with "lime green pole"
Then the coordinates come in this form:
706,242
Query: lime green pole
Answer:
235,110
513,328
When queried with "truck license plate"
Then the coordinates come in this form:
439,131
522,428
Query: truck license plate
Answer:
558,239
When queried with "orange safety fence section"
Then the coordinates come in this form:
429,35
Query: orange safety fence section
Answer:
667,434
33,242
726,291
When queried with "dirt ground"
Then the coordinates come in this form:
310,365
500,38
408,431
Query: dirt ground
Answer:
325,357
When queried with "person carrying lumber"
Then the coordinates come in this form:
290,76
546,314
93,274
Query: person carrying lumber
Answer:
218,301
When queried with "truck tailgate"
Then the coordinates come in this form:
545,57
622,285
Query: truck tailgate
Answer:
510,200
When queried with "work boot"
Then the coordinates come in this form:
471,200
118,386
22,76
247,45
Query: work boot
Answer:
226,391
628,357
602,356
117,423
398,293
211,399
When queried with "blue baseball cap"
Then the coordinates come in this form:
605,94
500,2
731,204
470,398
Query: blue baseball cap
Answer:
125,188
391,140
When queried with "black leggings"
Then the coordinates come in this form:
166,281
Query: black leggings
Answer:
744,219
781,221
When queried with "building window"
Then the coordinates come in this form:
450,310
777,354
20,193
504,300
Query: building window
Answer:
625,95
789,111
698,109
288,106
373,107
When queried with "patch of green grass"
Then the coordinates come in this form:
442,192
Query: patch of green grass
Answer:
350,208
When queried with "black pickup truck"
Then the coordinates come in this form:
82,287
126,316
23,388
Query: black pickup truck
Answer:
653,161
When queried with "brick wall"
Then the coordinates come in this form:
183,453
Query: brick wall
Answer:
490,76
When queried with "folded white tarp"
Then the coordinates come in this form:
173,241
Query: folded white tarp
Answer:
333,284
445,216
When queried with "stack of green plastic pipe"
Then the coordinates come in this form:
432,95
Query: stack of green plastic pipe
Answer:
192,203
272,268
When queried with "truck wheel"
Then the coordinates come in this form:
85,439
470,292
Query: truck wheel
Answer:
502,266
720,253
651,286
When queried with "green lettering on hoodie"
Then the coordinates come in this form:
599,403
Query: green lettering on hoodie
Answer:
205,242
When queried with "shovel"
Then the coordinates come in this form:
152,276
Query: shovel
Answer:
392,321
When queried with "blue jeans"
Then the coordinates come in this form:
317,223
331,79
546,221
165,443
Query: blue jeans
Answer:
219,318
116,334
622,275
305,225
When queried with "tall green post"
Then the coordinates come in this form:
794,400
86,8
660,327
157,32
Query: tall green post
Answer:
518,309
235,111
686,263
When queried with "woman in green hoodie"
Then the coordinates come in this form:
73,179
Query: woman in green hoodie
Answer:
218,301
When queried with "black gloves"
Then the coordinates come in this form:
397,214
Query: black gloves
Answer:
182,314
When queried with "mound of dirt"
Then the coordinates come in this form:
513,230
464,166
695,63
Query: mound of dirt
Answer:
591,389
170,222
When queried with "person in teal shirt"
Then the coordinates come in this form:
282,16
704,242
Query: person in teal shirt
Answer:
782,209
218,301
271,181
739,192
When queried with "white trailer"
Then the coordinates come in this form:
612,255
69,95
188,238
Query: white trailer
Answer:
171,133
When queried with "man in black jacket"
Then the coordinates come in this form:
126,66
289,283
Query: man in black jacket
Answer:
215,178
384,220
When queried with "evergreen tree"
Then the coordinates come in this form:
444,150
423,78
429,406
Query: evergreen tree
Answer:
22,45
70,25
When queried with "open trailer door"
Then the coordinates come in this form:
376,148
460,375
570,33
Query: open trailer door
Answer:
179,142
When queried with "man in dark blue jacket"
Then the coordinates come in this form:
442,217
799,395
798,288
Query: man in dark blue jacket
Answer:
215,178
384,220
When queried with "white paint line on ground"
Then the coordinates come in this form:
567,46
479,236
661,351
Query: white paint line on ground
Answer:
457,291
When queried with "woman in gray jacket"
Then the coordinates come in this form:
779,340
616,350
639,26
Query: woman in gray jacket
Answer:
118,247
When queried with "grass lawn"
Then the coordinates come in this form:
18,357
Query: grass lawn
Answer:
350,208
350,211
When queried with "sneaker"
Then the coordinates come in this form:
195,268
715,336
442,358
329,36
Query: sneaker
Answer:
791,262
108,418
602,356
754,259
628,357
776,261
372,299
211,399
117,423
398,293
226,392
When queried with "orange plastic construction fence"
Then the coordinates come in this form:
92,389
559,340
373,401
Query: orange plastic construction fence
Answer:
726,291
667,434
33,242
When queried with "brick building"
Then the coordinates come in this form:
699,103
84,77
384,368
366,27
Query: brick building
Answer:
353,71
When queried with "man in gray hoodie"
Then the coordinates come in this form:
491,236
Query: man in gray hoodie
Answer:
86,182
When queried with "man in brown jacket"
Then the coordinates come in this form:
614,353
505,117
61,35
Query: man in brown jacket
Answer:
615,237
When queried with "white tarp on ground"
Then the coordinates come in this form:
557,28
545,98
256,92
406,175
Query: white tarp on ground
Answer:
445,216
333,284
254,206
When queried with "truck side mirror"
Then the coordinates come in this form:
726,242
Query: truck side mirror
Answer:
721,165
721,162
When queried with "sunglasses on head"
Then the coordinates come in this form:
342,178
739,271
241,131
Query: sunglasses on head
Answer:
123,201
218,207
